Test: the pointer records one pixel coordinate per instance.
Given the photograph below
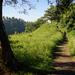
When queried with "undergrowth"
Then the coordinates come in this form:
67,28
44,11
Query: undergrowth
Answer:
35,50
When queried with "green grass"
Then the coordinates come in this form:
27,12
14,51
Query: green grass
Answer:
71,43
35,49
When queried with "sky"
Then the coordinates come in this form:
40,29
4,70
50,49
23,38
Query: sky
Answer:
31,15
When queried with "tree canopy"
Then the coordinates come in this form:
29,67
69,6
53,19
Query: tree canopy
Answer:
14,25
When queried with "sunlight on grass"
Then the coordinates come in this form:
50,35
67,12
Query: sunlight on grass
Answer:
35,49
71,43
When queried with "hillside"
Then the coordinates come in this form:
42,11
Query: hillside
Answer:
35,50
43,47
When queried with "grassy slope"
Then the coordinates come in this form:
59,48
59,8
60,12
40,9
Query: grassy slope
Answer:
71,42
35,49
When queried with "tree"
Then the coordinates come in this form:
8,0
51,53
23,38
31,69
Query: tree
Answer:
14,25
6,49
31,26
63,5
7,53
51,13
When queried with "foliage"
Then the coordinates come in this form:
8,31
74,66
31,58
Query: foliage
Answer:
62,5
13,25
51,13
29,27
39,22
67,20
71,43
24,5
35,49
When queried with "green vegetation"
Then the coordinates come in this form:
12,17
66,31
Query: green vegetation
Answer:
35,49
71,43
31,26
14,25
66,20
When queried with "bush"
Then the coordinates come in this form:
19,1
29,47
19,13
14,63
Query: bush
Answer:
35,49
71,43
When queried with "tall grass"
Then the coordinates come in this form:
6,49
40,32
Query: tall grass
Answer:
35,49
71,43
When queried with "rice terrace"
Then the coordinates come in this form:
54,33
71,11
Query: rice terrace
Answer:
45,46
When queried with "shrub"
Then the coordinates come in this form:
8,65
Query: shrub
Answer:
35,49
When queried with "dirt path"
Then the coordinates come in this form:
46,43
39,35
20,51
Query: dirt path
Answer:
64,62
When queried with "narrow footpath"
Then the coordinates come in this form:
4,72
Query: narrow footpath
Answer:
64,63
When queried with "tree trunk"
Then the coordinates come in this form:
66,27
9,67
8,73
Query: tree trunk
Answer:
7,54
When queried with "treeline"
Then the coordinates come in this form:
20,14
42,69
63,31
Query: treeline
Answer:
14,25
64,16
31,26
